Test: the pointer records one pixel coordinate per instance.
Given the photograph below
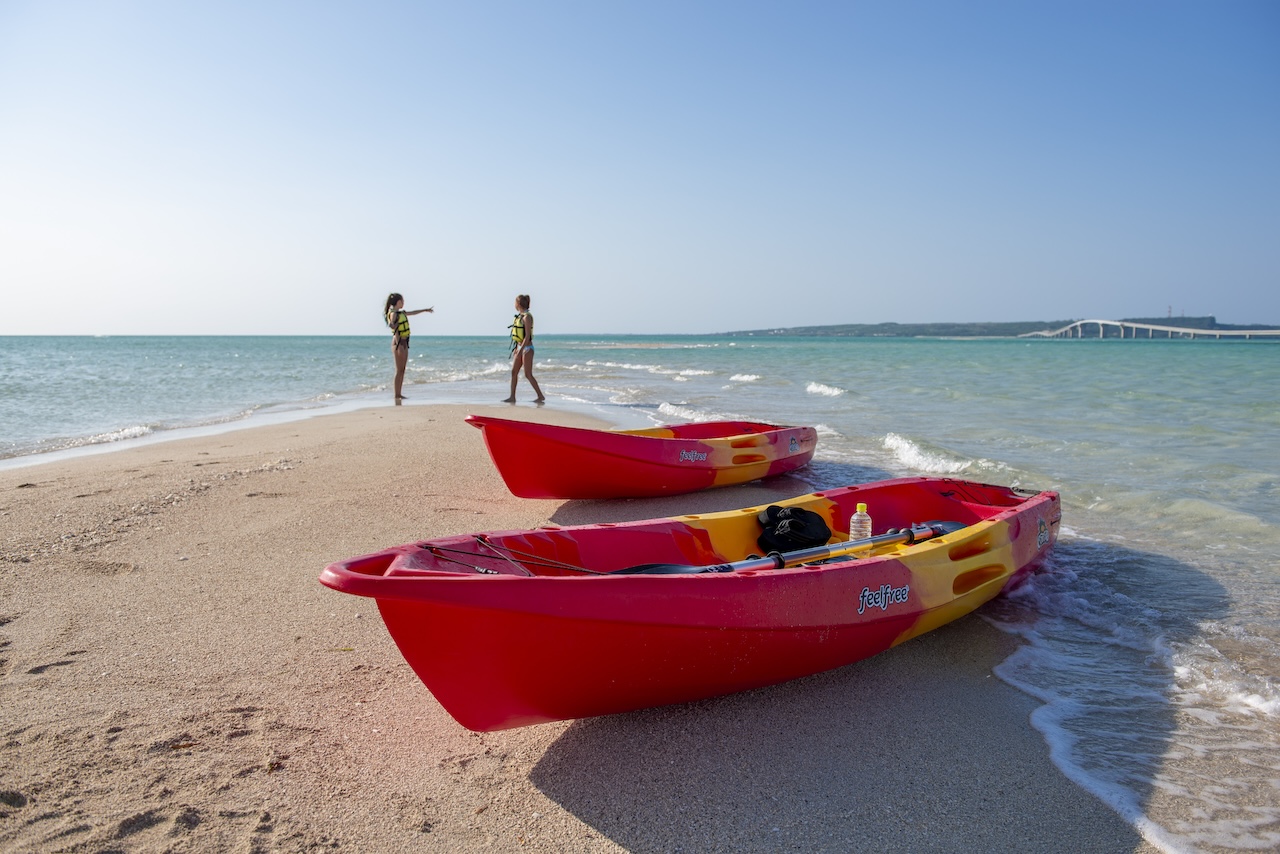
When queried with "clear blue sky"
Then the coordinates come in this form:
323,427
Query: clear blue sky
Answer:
637,167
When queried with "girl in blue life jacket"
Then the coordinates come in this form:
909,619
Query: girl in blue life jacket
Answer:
398,321
522,349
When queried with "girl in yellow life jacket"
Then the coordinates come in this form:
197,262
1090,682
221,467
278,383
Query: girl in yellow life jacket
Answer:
522,349
398,321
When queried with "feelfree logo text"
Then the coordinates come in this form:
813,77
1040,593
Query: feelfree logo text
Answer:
882,598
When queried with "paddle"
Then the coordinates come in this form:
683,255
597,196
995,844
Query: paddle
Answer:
774,560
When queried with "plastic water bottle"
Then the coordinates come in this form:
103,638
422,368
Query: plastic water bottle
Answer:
860,524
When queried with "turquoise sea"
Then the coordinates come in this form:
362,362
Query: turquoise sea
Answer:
1152,637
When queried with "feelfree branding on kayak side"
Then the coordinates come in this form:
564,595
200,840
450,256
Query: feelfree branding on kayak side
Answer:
884,597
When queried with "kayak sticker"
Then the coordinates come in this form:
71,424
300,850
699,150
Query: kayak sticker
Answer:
884,597
1042,535
795,445
692,456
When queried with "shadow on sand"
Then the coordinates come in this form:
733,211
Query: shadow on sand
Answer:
813,478
918,749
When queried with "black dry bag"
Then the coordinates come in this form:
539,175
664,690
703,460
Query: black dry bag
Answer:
787,529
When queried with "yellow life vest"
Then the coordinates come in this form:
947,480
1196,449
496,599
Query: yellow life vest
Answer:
517,331
400,325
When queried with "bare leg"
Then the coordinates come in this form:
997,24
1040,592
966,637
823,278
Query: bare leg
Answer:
528,373
515,376
402,361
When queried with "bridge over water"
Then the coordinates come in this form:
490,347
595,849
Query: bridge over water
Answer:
1131,329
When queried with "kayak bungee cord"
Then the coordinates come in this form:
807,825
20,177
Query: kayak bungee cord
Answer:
440,554
534,559
507,554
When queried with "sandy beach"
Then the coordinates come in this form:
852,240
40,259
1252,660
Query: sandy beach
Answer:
174,678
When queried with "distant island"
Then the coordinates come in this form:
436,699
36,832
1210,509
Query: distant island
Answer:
984,330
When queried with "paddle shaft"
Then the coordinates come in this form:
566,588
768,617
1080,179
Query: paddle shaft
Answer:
776,560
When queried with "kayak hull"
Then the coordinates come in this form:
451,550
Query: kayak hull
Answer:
551,461
514,628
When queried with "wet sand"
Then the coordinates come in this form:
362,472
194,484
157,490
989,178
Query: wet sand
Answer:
174,678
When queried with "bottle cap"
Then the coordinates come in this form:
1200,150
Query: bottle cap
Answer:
862,508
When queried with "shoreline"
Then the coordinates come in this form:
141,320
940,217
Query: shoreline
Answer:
285,413
173,676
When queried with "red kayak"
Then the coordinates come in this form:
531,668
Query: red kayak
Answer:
510,628
548,461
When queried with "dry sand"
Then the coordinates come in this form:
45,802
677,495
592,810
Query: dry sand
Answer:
174,678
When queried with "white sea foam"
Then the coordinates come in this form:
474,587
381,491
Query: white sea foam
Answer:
631,366
674,412
1204,672
913,456
135,432
676,374
625,397
744,378
826,390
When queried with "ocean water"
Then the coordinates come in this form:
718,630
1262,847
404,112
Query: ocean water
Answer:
1152,636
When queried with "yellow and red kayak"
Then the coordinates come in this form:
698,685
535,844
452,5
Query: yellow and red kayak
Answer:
509,628
550,461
